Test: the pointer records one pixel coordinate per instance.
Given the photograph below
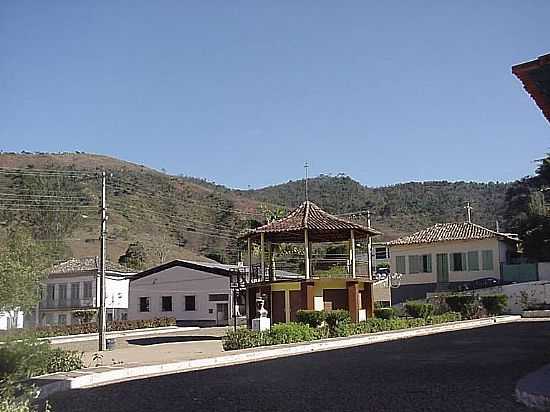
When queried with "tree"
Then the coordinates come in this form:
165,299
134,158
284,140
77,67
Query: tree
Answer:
23,264
135,256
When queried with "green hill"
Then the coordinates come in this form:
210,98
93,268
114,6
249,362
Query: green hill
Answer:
190,218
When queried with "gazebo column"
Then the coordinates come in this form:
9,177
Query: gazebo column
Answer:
353,299
353,270
306,246
262,255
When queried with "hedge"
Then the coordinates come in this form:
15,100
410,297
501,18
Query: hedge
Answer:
494,304
313,318
419,309
244,338
384,313
78,329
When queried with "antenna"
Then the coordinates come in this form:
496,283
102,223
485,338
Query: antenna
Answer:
306,167
469,209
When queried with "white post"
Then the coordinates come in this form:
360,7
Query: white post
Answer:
353,272
306,245
262,257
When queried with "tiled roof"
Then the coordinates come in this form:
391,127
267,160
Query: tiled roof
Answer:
89,263
318,222
535,76
450,231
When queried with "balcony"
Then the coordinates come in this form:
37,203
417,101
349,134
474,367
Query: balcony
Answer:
84,303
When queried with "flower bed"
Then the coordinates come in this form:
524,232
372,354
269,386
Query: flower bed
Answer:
244,338
117,325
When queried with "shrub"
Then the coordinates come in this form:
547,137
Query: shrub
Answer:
291,333
84,315
384,313
313,318
243,338
494,304
336,317
419,309
464,304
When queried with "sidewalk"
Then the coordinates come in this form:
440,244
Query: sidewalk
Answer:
194,351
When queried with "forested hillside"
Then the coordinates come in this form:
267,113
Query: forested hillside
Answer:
189,218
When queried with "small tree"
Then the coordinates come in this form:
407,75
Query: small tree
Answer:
23,264
134,257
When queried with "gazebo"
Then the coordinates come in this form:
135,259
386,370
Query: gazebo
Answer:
304,280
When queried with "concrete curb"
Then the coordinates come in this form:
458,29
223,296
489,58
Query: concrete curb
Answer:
533,390
105,375
56,340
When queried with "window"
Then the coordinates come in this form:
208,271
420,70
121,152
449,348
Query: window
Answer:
400,264
87,290
190,303
218,297
473,261
75,291
380,253
487,260
62,319
62,292
51,292
420,264
459,262
415,264
144,304
167,303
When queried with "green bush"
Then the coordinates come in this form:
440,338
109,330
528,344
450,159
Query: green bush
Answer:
77,329
468,306
494,304
291,333
244,338
313,318
419,309
334,318
384,313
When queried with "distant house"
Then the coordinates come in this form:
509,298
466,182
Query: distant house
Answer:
195,293
73,285
446,255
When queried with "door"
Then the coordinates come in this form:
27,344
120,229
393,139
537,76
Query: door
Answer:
295,303
337,297
442,268
222,314
278,307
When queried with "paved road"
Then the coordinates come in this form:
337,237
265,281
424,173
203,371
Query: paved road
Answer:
473,370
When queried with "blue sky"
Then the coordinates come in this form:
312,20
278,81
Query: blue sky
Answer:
243,92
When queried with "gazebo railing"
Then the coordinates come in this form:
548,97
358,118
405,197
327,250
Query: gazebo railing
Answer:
292,269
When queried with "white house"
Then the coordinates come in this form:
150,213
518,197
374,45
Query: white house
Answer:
11,320
195,293
73,285
446,255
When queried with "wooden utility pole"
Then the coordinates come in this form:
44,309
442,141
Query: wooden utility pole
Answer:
102,327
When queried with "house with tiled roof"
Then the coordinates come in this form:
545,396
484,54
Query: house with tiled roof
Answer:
73,285
446,256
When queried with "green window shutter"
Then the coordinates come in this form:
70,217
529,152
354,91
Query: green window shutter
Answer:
487,260
463,257
428,263
473,260
400,264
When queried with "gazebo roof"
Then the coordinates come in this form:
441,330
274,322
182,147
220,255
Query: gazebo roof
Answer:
321,226
535,76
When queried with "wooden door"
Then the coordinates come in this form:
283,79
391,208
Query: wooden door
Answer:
278,307
295,303
338,298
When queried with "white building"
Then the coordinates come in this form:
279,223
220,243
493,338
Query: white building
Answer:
73,285
446,255
11,320
195,293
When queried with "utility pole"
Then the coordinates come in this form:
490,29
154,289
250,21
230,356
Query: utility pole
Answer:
102,327
369,247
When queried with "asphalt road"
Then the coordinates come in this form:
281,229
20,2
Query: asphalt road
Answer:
473,370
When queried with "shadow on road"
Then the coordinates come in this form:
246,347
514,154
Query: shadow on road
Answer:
158,340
